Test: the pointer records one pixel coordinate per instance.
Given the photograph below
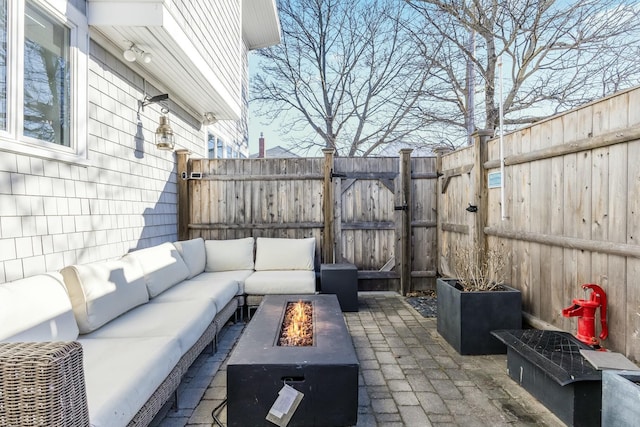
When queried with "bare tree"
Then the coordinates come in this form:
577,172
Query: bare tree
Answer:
556,55
350,73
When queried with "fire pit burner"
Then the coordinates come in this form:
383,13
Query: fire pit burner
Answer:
297,325
325,372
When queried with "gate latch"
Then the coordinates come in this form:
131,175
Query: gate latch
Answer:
400,208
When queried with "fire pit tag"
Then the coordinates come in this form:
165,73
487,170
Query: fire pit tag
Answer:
285,405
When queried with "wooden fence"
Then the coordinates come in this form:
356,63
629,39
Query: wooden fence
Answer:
377,213
571,211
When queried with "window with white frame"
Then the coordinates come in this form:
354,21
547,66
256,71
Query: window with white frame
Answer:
219,149
43,83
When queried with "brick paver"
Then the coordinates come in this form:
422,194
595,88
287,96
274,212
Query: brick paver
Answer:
409,376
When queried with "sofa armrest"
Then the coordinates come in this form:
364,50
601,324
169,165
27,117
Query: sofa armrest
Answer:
42,383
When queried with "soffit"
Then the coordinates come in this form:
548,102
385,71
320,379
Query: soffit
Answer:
260,23
176,63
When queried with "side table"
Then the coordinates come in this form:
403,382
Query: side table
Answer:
341,280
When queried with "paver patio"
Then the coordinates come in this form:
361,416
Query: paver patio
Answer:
409,376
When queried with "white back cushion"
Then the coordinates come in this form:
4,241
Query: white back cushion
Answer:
229,255
36,308
162,266
102,291
194,255
285,254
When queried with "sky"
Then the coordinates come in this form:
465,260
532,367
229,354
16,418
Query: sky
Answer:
271,137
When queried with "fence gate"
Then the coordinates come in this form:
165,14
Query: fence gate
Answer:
384,217
366,223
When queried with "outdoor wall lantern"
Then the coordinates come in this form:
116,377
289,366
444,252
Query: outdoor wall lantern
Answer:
165,139
134,52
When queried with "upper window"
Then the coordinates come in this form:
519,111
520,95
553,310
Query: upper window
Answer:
43,53
219,149
46,78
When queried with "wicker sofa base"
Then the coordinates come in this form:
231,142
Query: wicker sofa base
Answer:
166,390
42,384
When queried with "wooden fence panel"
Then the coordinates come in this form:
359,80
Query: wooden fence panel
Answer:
423,222
235,198
455,193
572,197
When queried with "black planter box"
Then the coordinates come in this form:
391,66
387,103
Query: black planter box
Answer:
466,319
341,280
326,372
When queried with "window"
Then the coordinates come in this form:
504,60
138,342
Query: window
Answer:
211,145
219,149
43,83
46,78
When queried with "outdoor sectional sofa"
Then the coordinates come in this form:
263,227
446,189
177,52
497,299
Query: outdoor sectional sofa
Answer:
137,323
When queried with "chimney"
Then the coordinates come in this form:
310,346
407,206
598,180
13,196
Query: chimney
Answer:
261,146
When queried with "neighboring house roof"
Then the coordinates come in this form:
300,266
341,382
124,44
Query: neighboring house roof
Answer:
277,152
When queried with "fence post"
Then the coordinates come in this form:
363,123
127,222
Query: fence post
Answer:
328,238
405,236
482,189
184,204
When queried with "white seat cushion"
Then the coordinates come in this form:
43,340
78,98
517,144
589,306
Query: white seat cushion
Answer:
36,308
194,255
121,373
102,291
285,254
186,321
162,266
221,287
229,255
280,282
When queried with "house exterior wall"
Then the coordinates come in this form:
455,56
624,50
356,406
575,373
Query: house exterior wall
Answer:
54,213
217,29
234,133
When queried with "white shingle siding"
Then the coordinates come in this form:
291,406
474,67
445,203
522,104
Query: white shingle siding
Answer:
53,214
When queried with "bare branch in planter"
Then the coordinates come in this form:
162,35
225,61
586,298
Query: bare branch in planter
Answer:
478,270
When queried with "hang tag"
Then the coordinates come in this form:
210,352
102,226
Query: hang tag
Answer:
285,406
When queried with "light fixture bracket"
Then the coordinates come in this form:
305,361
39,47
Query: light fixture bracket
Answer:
153,100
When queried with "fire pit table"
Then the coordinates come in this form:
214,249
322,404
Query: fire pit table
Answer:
326,371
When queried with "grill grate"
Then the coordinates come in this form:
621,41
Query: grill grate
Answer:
556,353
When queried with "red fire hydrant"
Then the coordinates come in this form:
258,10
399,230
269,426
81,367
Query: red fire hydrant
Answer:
585,310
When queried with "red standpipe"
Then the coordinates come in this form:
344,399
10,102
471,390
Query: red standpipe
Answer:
585,311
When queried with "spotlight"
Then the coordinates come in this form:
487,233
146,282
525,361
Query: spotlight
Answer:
209,119
129,55
134,52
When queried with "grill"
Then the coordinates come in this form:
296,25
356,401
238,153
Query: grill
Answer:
548,364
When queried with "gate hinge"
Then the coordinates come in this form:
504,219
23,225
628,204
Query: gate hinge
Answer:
337,175
400,208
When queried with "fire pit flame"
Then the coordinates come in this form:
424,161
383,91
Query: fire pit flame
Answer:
297,325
